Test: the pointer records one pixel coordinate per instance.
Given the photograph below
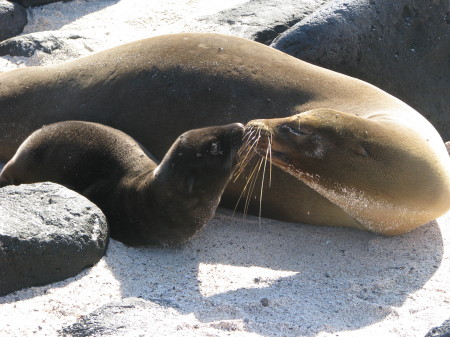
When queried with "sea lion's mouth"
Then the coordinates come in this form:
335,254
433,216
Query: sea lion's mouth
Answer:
276,157
238,136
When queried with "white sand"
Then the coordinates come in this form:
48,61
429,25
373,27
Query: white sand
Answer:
319,281
103,24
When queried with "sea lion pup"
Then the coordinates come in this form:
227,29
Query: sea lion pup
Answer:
145,203
381,174
157,88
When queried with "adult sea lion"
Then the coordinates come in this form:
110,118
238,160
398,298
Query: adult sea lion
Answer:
379,183
145,203
157,88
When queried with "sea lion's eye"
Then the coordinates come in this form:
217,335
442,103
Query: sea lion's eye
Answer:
295,131
215,148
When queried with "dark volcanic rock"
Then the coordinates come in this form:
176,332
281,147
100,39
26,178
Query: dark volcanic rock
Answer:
13,18
26,45
125,318
29,3
263,20
47,233
401,46
440,331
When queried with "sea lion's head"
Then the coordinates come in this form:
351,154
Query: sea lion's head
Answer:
315,144
360,163
192,177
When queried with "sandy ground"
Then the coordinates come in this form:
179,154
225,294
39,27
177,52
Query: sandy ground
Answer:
316,281
107,23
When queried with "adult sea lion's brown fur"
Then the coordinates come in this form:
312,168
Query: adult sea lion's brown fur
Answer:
157,88
349,161
145,203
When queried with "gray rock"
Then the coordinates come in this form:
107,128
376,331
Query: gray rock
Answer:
125,318
13,18
27,45
29,3
263,20
440,331
47,233
401,46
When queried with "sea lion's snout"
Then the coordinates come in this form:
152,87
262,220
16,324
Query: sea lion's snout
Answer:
258,135
258,124
237,135
238,126
236,130
234,134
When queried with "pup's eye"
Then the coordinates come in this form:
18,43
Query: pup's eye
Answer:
215,148
295,131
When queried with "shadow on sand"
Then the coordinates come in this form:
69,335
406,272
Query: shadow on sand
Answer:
347,278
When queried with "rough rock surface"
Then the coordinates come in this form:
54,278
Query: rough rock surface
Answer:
13,18
400,46
47,233
124,318
263,20
29,3
26,45
440,331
